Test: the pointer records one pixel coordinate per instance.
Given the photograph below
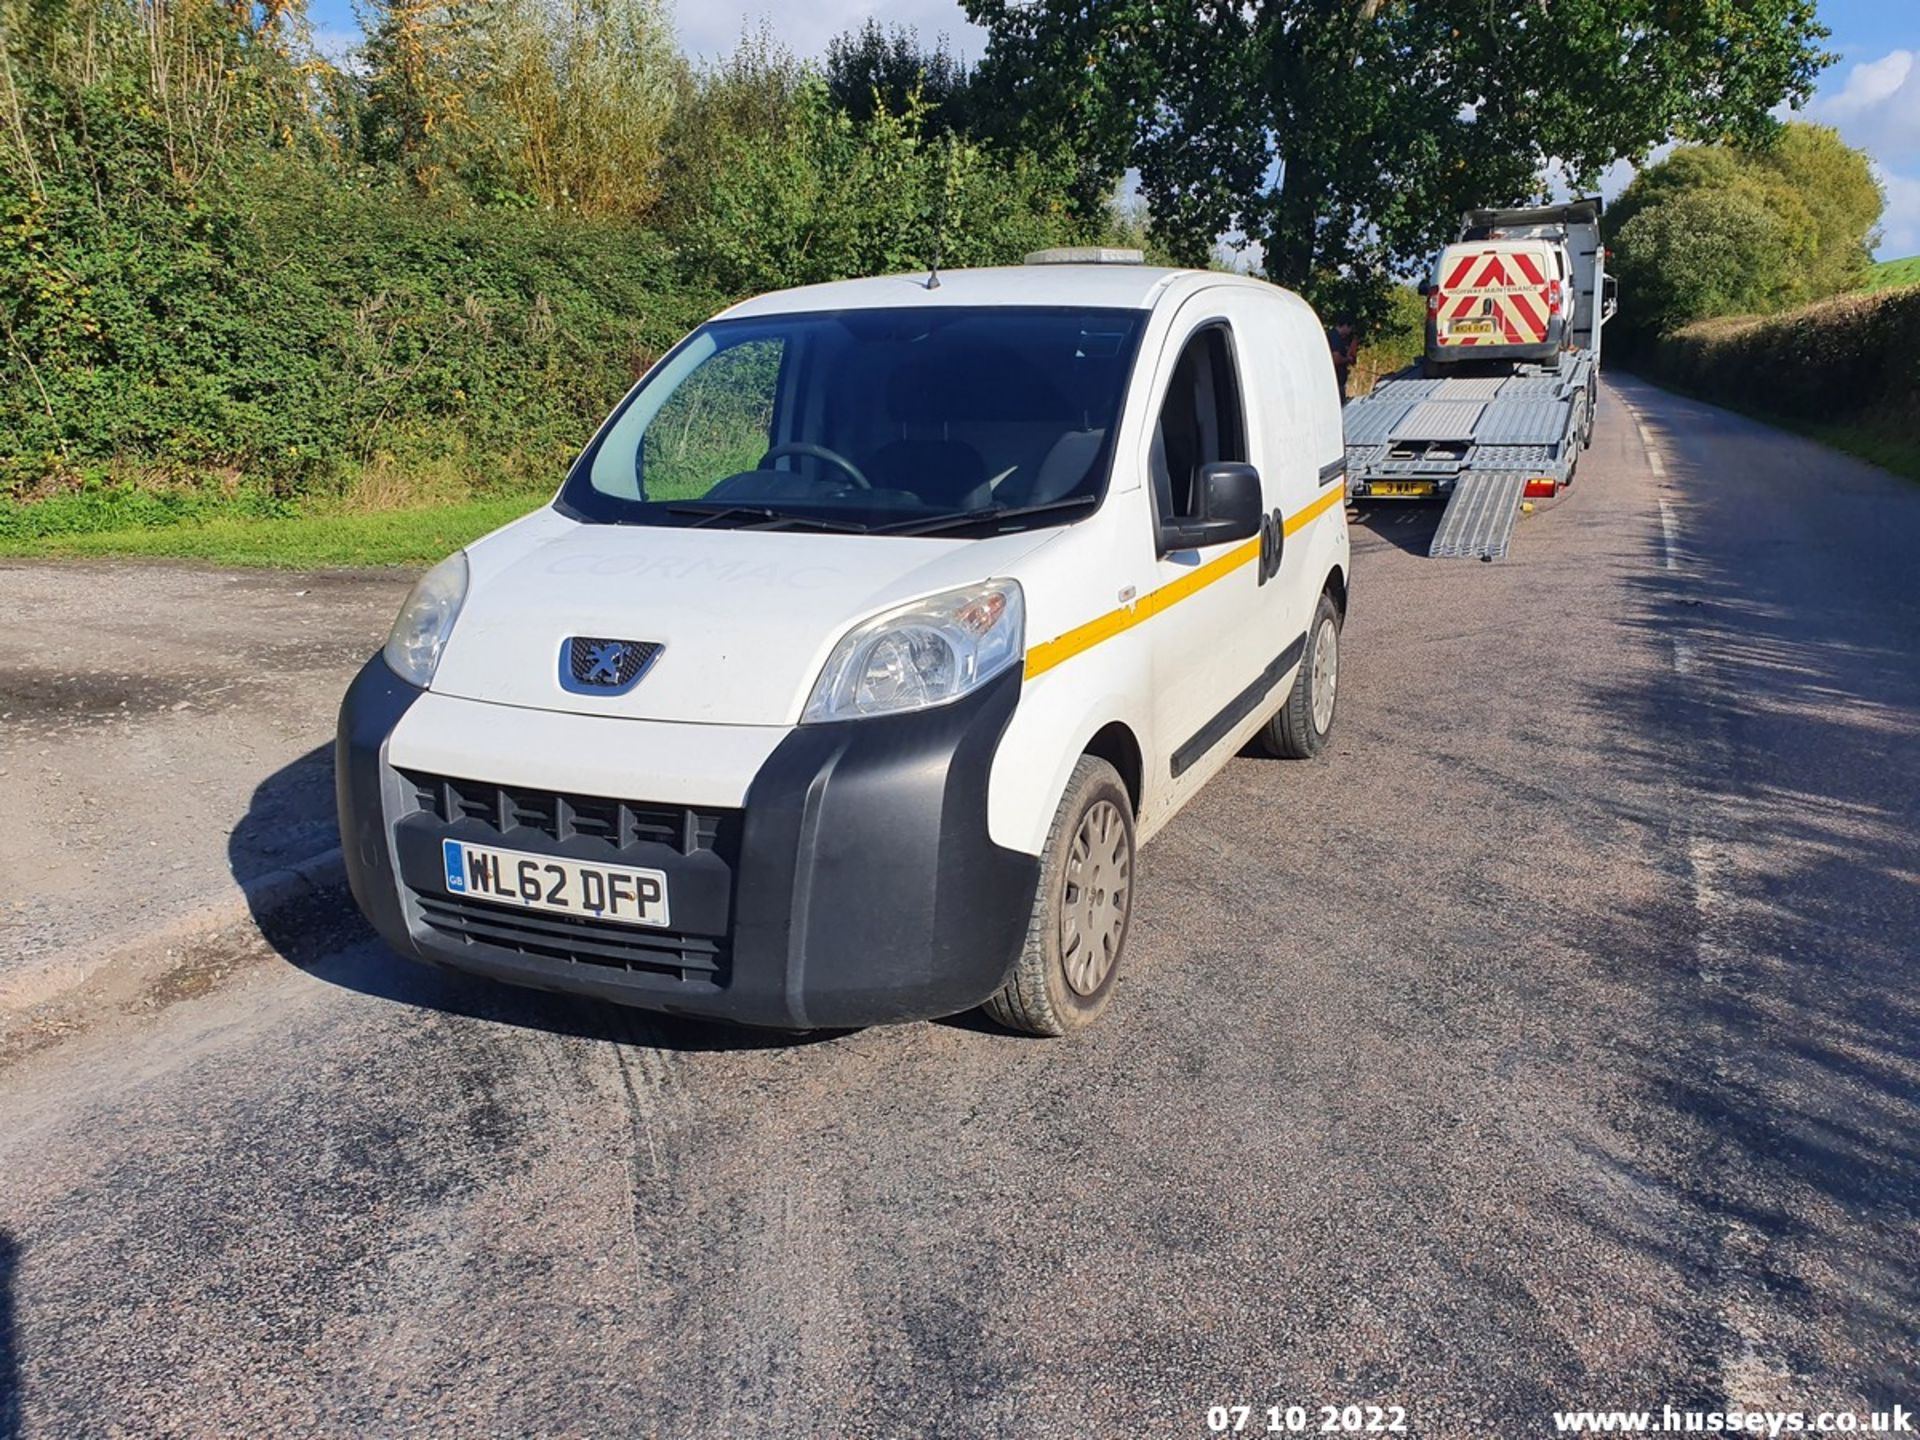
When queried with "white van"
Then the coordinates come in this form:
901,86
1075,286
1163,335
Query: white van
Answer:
861,648
1499,299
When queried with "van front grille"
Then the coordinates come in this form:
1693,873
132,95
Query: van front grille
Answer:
580,940
562,816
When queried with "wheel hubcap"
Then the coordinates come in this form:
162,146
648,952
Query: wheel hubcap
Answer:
1326,674
1093,911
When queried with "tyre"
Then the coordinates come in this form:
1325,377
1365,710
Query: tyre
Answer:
1082,910
1300,729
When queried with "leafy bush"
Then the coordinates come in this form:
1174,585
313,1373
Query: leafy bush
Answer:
234,276
816,195
1393,343
1701,253
292,333
1850,361
1719,230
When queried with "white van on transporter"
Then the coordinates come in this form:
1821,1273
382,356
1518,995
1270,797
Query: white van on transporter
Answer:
862,646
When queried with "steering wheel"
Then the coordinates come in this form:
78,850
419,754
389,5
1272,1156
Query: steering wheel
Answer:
818,452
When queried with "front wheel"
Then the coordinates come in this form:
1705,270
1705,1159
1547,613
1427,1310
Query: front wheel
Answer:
1301,728
1082,910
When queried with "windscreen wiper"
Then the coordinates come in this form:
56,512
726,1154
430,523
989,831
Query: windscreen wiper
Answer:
991,516
771,519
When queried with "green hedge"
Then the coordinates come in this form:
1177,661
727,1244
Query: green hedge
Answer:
1853,359
285,337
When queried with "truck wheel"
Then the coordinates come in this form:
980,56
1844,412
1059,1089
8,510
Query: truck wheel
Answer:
1300,730
1082,910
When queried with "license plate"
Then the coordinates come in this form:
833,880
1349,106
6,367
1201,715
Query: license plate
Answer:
1470,327
1400,487
623,893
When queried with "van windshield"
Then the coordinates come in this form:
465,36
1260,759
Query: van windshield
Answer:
943,420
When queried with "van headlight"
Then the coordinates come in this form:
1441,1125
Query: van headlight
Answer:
923,654
426,620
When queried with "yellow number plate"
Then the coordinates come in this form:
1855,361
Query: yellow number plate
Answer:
1470,327
1400,487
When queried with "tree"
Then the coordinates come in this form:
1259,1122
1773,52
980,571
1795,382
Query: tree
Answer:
1346,136
416,95
875,68
564,104
1834,183
816,195
573,101
1702,253
1727,230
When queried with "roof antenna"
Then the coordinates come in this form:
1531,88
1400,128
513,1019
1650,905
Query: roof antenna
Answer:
940,210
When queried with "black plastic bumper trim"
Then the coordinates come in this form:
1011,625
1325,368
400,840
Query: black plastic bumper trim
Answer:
866,886
372,707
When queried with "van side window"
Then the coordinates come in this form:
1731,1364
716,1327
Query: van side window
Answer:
1201,420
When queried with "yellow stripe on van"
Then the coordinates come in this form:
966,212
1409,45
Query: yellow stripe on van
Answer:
1318,508
1062,648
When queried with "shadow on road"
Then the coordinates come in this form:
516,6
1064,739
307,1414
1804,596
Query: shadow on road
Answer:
289,818
1408,524
10,1419
1792,1047
325,936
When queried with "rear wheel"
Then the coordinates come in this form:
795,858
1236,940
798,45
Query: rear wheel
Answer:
1301,728
1082,910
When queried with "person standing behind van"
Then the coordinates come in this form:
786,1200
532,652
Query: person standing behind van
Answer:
1345,345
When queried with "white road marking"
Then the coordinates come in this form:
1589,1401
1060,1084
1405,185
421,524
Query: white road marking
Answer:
1656,464
1670,535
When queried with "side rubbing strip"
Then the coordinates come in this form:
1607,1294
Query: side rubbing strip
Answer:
1241,706
1333,470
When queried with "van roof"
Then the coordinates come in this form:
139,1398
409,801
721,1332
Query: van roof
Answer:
1102,287
1509,242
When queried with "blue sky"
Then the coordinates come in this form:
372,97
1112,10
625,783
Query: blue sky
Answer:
1872,95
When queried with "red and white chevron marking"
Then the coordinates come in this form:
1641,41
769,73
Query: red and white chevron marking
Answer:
1519,294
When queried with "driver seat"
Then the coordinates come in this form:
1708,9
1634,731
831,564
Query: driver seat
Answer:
944,474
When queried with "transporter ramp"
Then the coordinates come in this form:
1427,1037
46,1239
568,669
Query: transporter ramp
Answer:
1482,443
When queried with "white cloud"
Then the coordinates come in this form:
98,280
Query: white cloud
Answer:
1878,108
711,28
1901,223
1871,83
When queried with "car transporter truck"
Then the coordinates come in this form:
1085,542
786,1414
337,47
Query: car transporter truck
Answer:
1502,404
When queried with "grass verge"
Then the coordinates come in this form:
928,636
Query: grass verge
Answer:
1889,448
298,542
1892,274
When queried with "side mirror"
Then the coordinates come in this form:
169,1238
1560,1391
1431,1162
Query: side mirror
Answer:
1229,504
1425,288
1609,298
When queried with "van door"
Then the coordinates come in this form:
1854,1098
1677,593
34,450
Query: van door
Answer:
1205,646
1285,359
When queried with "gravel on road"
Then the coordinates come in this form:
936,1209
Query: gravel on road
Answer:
1552,1042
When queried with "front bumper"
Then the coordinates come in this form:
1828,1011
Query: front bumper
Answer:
856,884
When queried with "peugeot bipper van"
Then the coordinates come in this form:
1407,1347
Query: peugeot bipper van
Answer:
862,647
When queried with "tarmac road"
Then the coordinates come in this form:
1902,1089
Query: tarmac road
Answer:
1555,1042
